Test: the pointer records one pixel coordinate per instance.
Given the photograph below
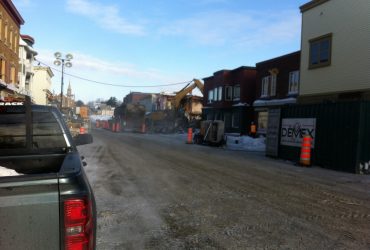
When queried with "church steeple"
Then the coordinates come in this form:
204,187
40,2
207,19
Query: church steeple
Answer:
69,91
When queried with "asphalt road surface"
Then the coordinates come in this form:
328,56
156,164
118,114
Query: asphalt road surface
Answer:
157,192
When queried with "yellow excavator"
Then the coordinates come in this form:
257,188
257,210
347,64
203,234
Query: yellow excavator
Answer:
176,118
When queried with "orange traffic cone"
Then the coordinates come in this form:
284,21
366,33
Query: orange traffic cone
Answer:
190,136
305,159
82,130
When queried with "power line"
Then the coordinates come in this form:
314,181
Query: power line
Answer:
112,84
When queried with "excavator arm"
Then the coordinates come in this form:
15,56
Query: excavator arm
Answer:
182,93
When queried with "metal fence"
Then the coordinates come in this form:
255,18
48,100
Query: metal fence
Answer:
342,135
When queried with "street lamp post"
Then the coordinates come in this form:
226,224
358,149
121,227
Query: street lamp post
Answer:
59,60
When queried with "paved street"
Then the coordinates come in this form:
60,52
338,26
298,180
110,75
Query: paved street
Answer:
156,192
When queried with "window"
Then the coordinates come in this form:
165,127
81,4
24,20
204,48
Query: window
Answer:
320,51
12,74
228,93
227,120
273,85
1,26
215,93
293,82
265,86
11,38
210,96
220,93
236,120
2,69
236,93
15,41
6,33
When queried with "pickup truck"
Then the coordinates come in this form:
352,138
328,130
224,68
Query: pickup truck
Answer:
49,204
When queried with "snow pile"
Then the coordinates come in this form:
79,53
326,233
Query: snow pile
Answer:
93,118
246,143
8,172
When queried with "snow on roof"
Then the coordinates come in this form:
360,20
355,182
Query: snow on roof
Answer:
274,102
241,105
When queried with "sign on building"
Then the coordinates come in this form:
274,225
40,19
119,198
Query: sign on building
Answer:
294,129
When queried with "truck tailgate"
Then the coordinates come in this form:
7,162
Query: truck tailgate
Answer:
29,213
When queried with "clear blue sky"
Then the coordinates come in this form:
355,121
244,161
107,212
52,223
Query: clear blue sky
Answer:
141,43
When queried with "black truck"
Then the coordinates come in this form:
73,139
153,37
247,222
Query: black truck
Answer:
49,204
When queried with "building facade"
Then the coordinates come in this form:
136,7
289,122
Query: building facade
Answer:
10,22
277,84
26,60
40,89
335,50
134,97
229,96
150,102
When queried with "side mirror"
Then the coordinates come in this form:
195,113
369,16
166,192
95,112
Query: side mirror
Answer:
82,139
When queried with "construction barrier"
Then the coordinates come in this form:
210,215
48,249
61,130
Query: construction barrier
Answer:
113,127
118,127
305,159
190,136
82,130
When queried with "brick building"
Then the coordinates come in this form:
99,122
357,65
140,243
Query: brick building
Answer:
10,22
229,96
277,84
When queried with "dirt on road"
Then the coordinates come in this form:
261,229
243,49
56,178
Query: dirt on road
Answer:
156,192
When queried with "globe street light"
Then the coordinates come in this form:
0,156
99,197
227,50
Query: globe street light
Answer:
59,60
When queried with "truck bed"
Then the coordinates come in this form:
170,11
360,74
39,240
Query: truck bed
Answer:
33,164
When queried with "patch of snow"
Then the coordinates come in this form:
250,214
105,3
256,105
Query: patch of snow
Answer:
93,118
246,143
8,172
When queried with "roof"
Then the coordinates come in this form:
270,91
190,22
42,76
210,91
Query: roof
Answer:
29,48
279,57
312,4
13,12
244,68
28,39
47,69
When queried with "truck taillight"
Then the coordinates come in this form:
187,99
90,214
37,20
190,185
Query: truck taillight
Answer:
78,224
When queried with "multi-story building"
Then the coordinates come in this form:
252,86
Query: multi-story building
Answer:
40,89
277,84
229,96
150,102
134,97
10,22
335,51
26,59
